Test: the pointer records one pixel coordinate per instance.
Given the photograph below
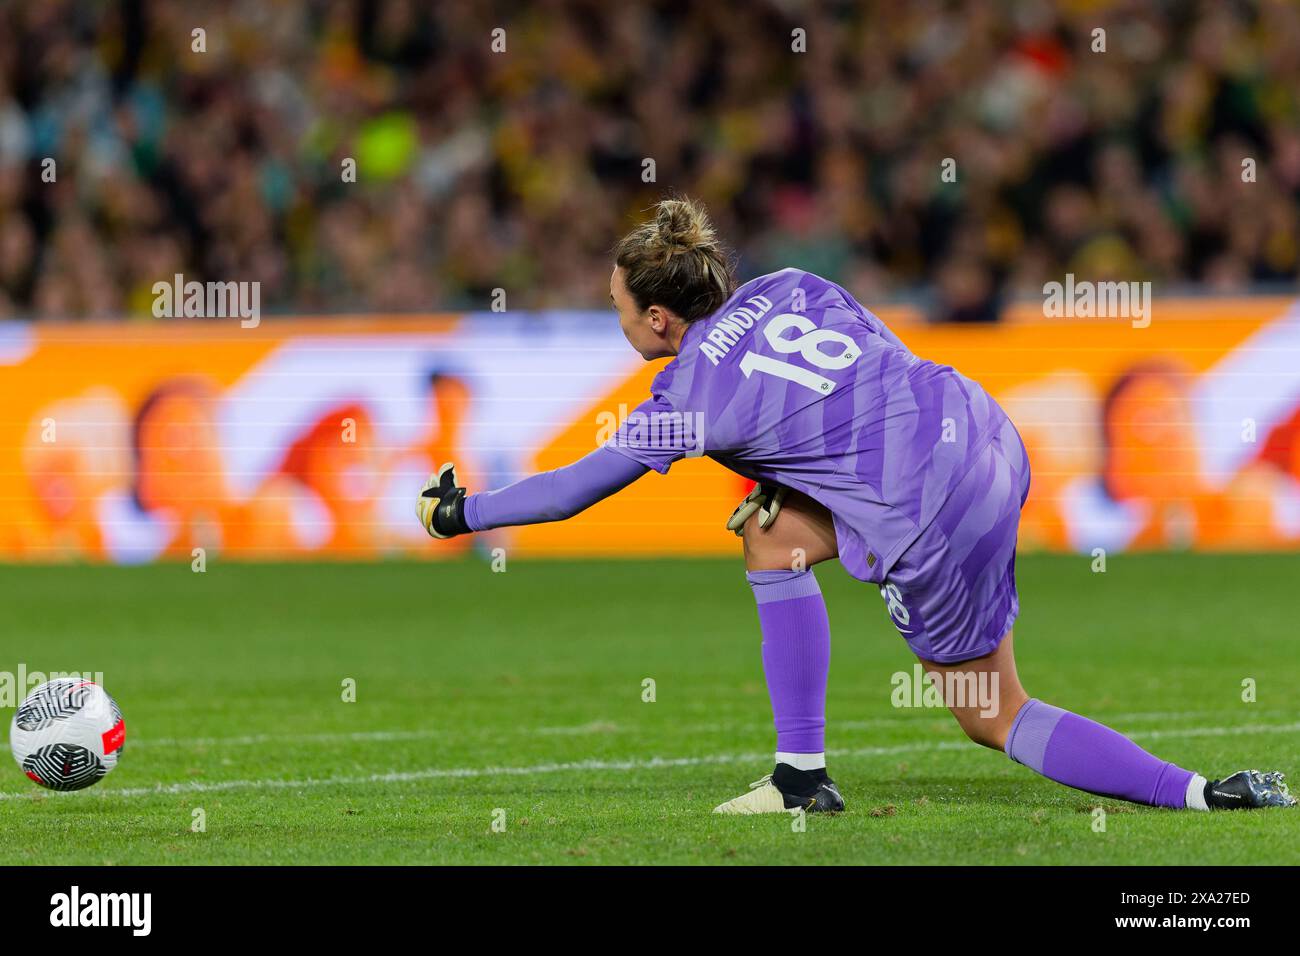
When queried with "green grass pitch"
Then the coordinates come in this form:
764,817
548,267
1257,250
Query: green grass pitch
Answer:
517,696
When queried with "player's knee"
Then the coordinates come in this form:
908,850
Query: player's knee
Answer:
985,731
991,729
764,549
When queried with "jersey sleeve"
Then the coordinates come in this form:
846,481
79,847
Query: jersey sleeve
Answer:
552,495
654,435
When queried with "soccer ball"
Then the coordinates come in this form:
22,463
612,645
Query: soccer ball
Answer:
67,734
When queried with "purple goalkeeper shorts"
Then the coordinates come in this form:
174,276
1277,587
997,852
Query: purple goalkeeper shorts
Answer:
952,593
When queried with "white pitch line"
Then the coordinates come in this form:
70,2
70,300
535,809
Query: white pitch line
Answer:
590,728
652,763
359,736
434,773
1216,731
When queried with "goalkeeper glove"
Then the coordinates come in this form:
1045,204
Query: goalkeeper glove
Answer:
765,499
441,505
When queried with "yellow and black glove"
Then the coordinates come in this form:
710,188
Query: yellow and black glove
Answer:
765,499
441,505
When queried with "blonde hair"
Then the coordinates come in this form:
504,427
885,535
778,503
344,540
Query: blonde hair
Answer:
676,260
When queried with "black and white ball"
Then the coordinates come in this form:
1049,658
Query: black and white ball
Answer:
67,734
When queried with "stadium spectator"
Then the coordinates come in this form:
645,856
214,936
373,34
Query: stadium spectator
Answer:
479,170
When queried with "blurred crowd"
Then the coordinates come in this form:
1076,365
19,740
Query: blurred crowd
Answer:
1173,155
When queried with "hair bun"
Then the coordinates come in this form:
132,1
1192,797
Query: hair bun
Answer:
676,260
683,223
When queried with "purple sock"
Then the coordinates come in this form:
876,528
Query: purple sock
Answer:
1084,754
796,656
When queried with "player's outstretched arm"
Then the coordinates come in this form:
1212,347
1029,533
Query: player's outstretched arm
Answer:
445,509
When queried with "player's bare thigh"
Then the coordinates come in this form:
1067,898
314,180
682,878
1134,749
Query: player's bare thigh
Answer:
803,534
803,527
987,725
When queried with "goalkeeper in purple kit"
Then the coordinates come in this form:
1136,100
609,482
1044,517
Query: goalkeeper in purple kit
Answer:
904,469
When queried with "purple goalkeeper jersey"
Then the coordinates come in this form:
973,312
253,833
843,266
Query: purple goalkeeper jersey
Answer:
793,382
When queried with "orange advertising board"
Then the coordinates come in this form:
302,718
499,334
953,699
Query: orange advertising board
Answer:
307,438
